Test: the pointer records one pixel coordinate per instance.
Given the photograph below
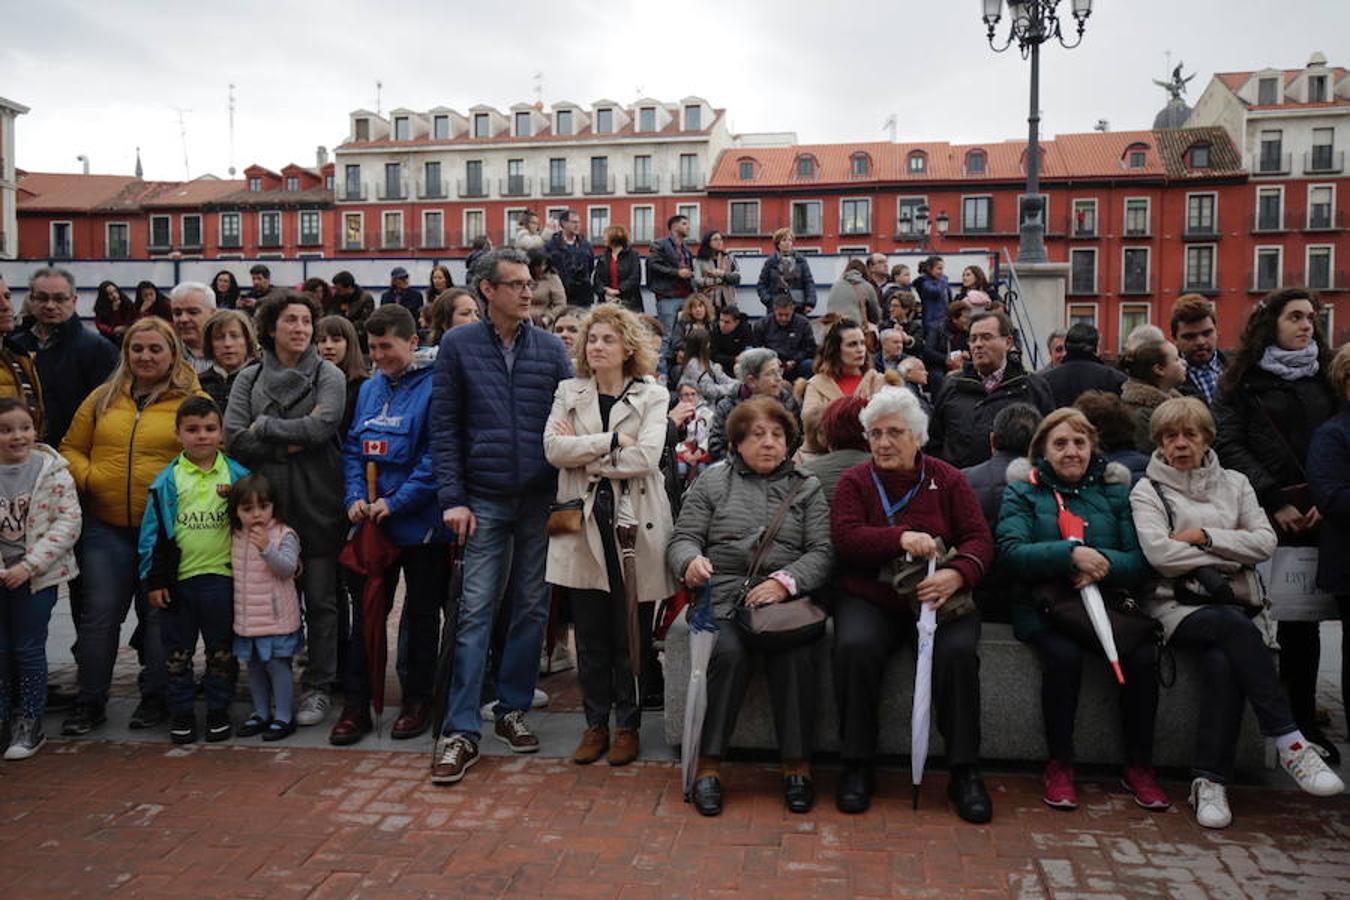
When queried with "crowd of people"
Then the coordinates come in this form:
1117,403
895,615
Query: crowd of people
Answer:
214,458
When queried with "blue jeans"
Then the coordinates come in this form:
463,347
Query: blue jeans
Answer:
107,557
667,309
203,604
23,648
514,527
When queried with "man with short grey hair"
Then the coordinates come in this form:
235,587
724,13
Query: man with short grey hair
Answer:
71,360
192,303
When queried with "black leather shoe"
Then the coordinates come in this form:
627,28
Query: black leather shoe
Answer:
1325,746
966,790
707,796
149,713
854,792
800,793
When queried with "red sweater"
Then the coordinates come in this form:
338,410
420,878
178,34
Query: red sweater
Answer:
945,507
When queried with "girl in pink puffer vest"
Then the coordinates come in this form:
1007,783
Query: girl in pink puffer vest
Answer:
266,560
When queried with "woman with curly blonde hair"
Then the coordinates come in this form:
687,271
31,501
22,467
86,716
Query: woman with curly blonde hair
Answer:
606,435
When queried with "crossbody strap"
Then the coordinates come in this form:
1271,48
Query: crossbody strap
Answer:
1167,507
771,532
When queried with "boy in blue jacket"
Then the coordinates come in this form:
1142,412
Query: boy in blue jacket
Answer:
390,431
185,568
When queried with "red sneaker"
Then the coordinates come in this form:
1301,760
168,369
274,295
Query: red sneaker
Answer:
1139,780
1059,790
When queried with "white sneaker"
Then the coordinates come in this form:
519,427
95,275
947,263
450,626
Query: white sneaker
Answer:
1305,766
540,699
1210,800
487,711
314,707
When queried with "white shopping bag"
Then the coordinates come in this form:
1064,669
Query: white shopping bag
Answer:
1290,577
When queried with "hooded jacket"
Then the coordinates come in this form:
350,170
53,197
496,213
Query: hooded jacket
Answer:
54,523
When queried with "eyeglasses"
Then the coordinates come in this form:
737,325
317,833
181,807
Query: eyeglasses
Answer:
520,287
876,435
43,299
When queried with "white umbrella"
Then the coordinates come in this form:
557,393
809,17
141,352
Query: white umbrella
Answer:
702,636
1096,610
920,716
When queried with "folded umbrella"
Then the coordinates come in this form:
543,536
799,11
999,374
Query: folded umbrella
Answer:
369,555
1073,528
920,717
449,626
702,637
625,530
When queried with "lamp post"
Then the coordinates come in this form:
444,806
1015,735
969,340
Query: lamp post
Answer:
919,223
1034,22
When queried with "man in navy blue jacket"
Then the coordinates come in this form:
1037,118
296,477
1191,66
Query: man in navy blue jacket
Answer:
491,397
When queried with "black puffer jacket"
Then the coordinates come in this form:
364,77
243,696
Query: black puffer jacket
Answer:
963,414
1266,427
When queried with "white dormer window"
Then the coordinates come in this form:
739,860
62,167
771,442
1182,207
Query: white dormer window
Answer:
402,128
1317,89
563,120
693,117
362,128
918,163
440,128
647,118
604,121
482,125
1268,91
522,124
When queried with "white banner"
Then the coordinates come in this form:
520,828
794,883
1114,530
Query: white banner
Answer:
1290,577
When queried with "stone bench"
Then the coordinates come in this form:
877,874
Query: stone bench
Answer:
1011,723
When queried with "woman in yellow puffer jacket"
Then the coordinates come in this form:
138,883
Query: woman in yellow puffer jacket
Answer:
122,437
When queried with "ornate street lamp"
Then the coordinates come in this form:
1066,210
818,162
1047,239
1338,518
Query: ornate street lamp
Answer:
1034,22
919,224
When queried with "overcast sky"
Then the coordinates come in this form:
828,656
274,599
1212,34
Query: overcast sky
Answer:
103,76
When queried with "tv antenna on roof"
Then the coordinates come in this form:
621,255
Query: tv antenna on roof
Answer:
379,93
182,134
891,124
232,170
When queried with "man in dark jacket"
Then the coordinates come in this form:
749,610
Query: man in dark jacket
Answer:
788,333
964,411
263,289
399,292
491,397
71,360
573,259
1082,370
352,303
732,335
670,271
1014,426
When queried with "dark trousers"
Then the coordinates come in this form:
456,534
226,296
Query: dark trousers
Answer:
792,693
426,574
601,624
23,649
1062,676
1238,667
201,605
1343,600
864,636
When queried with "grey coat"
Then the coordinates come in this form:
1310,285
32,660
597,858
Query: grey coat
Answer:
273,409
725,513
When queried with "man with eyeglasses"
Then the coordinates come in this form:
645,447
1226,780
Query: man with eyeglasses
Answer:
71,359
968,401
491,397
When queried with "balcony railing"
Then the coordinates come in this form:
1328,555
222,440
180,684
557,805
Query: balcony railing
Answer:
472,187
1328,281
1259,282
687,182
1266,222
1199,286
397,191
392,242
230,242
1138,287
269,240
350,245
1197,231
514,186
310,239
642,184
436,189
1272,164
559,188
1323,161
352,192
1325,219
605,185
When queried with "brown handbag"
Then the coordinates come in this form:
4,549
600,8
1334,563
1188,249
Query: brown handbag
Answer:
788,623
566,517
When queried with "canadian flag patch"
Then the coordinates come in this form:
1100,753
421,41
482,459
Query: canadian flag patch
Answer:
374,448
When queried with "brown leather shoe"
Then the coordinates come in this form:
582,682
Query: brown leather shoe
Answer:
593,745
413,720
625,747
351,726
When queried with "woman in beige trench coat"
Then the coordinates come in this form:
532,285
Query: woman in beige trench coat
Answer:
606,434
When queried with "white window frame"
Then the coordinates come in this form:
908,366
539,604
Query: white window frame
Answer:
1073,216
384,230
107,239
590,220
964,198
310,254
516,121
300,229
1069,307
150,237
406,123
596,125
361,238
793,202
1148,270
695,220
643,110
1121,309
632,222
1307,215
910,168
508,226
239,232
842,201
292,182
1125,217
466,240
1331,266
1214,212
899,203
1096,271
281,223
571,122
1214,267
255,184
201,229
685,117
486,119
759,218
436,120
425,214
1256,208
1256,266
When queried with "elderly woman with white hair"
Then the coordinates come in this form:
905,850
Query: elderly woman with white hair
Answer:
898,508
761,375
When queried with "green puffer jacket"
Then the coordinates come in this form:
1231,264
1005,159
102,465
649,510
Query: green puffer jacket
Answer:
1030,550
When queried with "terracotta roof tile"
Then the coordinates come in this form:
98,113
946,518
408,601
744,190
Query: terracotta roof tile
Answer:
60,192
1224,157
193,193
